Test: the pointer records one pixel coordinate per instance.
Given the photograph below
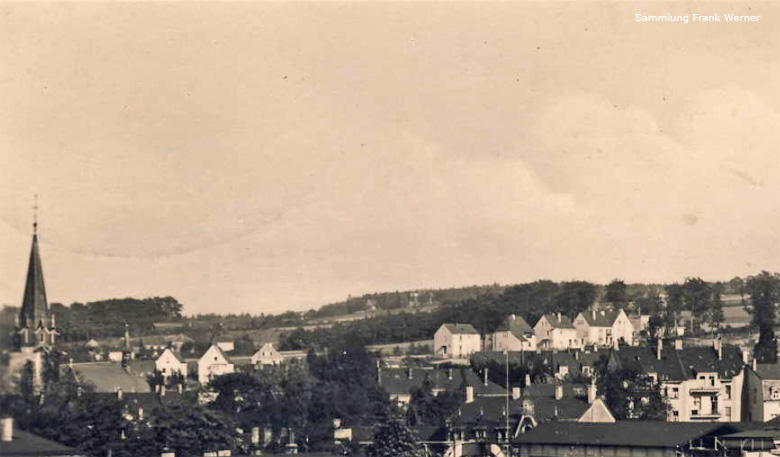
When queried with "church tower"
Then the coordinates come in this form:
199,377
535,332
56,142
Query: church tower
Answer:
34,326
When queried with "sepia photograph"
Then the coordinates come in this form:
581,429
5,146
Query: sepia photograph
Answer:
390,228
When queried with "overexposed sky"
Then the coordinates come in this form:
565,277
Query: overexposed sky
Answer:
269,156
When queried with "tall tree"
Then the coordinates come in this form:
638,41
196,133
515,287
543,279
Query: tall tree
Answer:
394,439
764,290
616,293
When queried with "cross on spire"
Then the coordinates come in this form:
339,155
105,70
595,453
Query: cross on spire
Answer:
35,215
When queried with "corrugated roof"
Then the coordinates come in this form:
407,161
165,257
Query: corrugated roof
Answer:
622,433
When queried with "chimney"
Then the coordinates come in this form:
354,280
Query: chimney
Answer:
527,379
719,347
576,355
558,391
469,394
336,422
592,392
559,317
515,393
119,393
593,314
513,317
755,364
53,321
140,414
8,429
449,374
603,313
410,373
486,376
658,349
745,356
678,344
162,390
179,388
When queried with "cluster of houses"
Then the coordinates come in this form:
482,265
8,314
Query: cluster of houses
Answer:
552,331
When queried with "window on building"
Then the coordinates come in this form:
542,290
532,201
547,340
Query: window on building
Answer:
675,393
774,393
728,392
728,412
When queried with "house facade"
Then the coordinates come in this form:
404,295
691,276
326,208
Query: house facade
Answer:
212,364
604,328
456,340
168,363
556,331
513,335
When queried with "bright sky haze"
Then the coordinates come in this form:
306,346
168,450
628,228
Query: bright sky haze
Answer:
259,157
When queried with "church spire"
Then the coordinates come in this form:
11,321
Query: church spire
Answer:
34,315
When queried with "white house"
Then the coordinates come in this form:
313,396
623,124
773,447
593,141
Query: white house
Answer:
267,355
556,332
213,363
514,335
169,364
456,340
605,328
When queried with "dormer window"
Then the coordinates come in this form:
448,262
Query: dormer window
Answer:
774,392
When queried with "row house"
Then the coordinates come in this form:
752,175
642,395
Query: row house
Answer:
556,331
514,334
710,384
604,328
456,341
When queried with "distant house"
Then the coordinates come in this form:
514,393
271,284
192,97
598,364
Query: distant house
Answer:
556,331
604,328
514,335
456,340
168,363
212,364
267,355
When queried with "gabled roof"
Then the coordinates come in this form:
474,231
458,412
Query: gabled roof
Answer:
601,318
396,381
565,409
515,324
109,376
768,371
680,364
486,411
30,445
622,433
218,350
173,353
555,322
461,329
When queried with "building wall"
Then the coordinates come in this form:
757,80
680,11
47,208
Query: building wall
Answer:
588,450
703,400
457,345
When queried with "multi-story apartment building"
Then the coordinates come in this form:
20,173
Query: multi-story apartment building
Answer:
712,384
456,340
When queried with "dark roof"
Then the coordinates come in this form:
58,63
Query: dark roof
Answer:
515,324
109,376
566,409
564,321
622,433
28,444
678,365
768,370
486,411
601,318
461,329
396,381
542,390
